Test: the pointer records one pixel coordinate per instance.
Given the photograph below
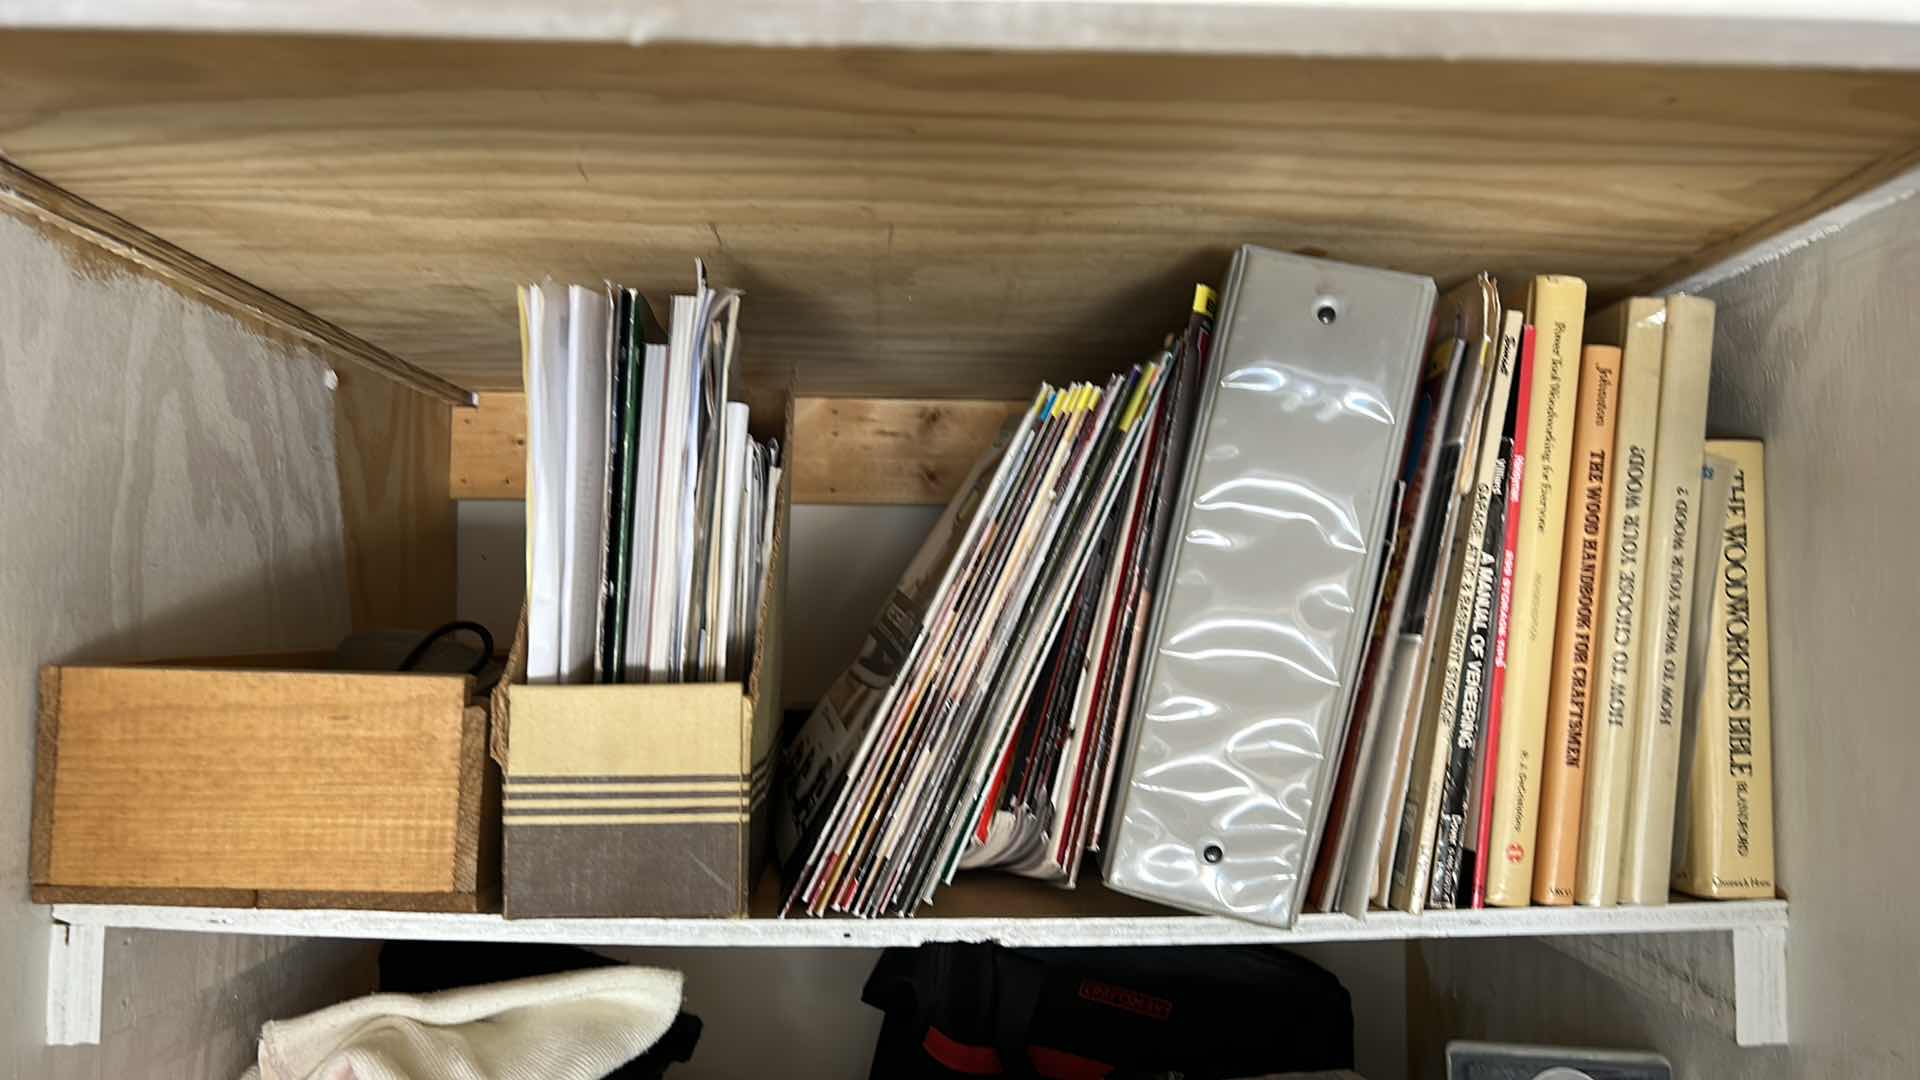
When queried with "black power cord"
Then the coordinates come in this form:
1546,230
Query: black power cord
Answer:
486,648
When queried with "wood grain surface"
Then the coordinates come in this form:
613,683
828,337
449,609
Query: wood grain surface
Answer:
31,195
392,445
171,778
845,450
944,224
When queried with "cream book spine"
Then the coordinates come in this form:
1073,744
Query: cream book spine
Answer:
1727,834
1638,326
1646,858
1556,308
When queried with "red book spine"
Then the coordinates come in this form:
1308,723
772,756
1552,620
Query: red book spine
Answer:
1496,686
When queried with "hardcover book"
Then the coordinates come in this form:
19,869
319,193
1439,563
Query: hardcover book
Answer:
1725,843
1646,861
1571,692
1638,326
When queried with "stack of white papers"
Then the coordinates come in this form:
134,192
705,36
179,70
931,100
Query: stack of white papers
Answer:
649,504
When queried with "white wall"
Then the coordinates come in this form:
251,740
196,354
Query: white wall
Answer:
768,1011
1815,352
166,488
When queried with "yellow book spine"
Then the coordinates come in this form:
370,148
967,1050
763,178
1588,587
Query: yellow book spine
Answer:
1638,326
1556,308
1646,859
1728,831
1570,695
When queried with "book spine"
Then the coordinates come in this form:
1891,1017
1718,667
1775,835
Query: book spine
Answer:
1645,868
1729,826
1570,695
1489,767
1444,634
1470,644
1457,830
1556,308
1412,647
1332,869
1603,818
1710,514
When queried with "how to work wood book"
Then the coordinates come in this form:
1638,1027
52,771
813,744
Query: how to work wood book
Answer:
1724,840
1638,327
1571,696
1556,308
1646,866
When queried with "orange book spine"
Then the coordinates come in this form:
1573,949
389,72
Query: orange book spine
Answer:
1570,694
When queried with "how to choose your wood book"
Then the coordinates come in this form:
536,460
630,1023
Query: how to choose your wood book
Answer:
1646,866
1556,309
1724,838
1638,327
1570,696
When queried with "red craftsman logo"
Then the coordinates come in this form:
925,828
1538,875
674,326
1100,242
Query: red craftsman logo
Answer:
1120,997
1515,853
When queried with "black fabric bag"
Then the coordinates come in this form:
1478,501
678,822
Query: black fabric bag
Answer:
1197,1013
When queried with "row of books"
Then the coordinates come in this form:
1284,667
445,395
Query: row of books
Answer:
981,724
1564,696
650,506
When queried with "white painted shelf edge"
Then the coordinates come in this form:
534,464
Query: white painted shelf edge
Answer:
1759,929
875,933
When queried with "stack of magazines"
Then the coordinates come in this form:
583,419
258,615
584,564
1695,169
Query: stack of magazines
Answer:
649,506
980,724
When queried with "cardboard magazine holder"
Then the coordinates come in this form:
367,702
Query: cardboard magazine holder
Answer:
644,799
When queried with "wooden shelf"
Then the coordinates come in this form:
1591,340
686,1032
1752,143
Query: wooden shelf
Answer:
923,223
983,907
1850,32
1021,930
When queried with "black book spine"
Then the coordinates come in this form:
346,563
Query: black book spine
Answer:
1458,819
1478,588
609,642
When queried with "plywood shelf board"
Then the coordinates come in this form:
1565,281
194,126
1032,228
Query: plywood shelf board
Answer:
905,223
32,195
1844,32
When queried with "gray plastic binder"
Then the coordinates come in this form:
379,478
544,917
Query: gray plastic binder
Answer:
1277,540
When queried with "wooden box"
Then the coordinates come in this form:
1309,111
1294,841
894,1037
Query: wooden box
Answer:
635,800
243,787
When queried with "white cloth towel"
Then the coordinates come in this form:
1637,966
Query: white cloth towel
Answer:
578,1026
